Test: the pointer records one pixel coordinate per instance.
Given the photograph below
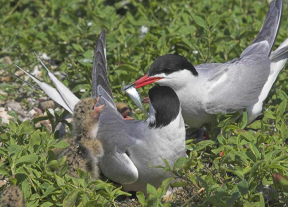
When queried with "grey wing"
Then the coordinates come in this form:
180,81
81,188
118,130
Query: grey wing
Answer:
112,131
99,72
266,37
236,84
114,136
119,168
207,66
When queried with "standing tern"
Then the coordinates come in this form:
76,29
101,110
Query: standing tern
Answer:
130,147
210,88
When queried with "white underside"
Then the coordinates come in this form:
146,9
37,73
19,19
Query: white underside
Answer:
167,142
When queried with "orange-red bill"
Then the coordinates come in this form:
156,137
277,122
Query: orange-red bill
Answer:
145,80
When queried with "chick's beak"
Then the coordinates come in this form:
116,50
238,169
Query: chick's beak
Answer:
145,80
146,100
99,108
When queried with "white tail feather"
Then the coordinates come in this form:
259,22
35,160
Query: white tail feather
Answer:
278,60
50,91
68,97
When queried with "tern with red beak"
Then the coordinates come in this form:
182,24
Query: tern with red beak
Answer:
211,88
130,147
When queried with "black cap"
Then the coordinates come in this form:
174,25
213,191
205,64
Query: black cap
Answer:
171,63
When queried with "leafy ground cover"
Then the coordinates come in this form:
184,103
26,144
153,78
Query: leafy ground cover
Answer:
235,168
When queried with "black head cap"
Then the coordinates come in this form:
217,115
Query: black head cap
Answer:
166,105
171,63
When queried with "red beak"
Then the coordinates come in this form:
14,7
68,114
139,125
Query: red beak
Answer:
145,80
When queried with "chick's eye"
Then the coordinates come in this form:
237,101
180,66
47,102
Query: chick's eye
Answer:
93,107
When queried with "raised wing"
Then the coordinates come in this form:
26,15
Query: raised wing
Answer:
113,132
53,93
68,97
99,72
264,41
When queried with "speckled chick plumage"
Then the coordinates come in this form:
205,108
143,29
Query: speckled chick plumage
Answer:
85,149
12,196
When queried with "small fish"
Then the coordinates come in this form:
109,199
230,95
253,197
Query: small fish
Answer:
133,93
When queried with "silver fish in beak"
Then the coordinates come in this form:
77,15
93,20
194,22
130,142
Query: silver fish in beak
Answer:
133,93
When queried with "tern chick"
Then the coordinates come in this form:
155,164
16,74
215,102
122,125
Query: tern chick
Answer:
12,196
85,149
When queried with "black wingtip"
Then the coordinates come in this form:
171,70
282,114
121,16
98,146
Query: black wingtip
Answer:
270,27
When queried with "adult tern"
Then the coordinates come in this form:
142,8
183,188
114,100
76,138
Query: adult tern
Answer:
130,147
210,88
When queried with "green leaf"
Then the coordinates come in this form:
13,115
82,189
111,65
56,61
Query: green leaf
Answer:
179,184
141,198
47,204
48,192
201,145
249,137
14,149
26,189
243,187
3,171
27,159
62,144
13,126
151,189
181,162
232,199
85,198
152,201
262,202
244,120
77,47
254,150
201,22
281,108
26,128
221,139
70,199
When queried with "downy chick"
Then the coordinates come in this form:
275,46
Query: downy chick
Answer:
124,110
85,148
12,196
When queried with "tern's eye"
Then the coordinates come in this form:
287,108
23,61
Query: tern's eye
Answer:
166,71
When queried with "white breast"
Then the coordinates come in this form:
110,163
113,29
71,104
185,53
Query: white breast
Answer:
167,142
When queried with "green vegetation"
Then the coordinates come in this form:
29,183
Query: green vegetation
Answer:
235,168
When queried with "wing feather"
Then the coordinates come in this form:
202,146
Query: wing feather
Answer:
50,91
264,41
237,84
68,97
99,72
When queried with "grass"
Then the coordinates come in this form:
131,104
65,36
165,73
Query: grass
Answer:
235,168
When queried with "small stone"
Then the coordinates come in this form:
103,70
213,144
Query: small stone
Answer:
5,116
47,105
15,106
32,112
5,79
19,73
3,93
